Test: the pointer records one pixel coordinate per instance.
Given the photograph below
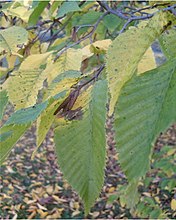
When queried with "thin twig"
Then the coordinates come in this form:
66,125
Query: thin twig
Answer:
89,35
69,101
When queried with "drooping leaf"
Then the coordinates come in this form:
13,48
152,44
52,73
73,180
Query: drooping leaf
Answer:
85,19
62,82
9,135
11,37
66,7
45,120
21,12
26,115
112,22
147,62
146,106
130,196
96,47
80,146
3,102
37,12
24,85
70,60
54,6
168,43
3,71
127,50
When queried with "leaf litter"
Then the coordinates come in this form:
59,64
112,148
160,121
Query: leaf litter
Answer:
36,188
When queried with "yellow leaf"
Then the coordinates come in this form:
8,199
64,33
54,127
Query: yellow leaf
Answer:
42,213
146,194
70,60
127,50
32,215
3,71
62,85
173,204
83,99
171,152
11,61
21,12
147,62
11,37
59,200
98,46
23,87
49,189
111,189
77,212
41,207
157,199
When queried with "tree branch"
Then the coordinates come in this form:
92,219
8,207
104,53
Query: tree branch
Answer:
89,35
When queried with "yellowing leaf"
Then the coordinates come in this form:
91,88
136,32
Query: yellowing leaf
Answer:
127,49
101,45
70,60
147,62
83,142
45,120
173,204
11,61
42,213
111,189
3,71
11,37
168,43
21,12
82,100
24,85
62,83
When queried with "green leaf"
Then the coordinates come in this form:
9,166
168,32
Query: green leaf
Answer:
54,6
11,37
168,43
112,22
9,135
3,102
146,106
23,87
66,7
37,12
88,18
80,146
27,115
130,195
127,50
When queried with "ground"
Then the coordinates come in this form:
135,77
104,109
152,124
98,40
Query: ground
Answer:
36,188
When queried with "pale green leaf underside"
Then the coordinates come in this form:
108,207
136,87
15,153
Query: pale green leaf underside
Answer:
146,106
127,50
27,115
168,43
80,147
11,37
16,125
9,135
67,7
3,102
